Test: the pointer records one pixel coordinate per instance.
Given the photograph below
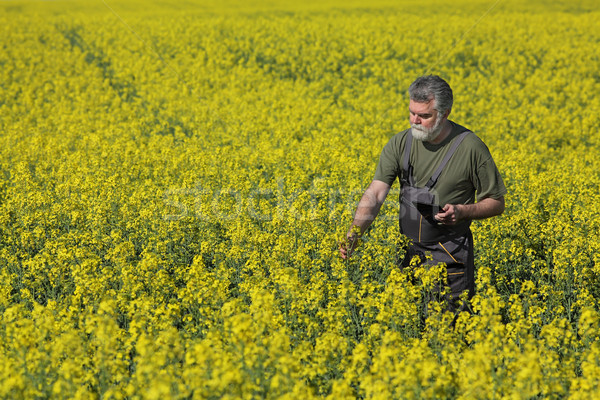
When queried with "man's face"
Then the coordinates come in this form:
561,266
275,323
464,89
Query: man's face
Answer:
426,122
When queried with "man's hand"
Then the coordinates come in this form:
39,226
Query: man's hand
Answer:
352,240
449,215
347,246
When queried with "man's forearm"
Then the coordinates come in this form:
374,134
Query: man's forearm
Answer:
485,208
366,211
369,206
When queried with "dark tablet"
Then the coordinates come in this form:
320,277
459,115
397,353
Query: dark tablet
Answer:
427,209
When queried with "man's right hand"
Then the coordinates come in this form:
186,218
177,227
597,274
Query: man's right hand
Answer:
347,246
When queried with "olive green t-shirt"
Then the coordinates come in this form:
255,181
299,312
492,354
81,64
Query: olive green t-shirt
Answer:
471,172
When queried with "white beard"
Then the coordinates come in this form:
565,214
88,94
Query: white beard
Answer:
419,132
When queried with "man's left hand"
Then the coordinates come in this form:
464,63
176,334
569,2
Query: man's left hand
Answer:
449,215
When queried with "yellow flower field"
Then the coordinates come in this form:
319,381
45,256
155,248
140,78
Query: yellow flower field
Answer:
175,177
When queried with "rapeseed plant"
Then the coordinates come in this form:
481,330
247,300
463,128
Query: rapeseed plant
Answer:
174,181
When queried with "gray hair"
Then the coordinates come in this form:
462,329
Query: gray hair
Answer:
428,87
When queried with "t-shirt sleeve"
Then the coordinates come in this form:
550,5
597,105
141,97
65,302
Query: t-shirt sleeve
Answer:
488,181
389,162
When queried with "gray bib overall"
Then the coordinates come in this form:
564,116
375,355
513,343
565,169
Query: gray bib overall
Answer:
452,245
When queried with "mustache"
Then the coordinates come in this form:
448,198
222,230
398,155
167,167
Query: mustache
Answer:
419,127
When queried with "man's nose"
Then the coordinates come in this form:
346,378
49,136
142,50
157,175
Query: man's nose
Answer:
416,120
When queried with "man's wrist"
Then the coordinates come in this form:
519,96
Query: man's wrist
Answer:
459,211
352,236
355,232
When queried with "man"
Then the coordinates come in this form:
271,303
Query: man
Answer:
448,178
